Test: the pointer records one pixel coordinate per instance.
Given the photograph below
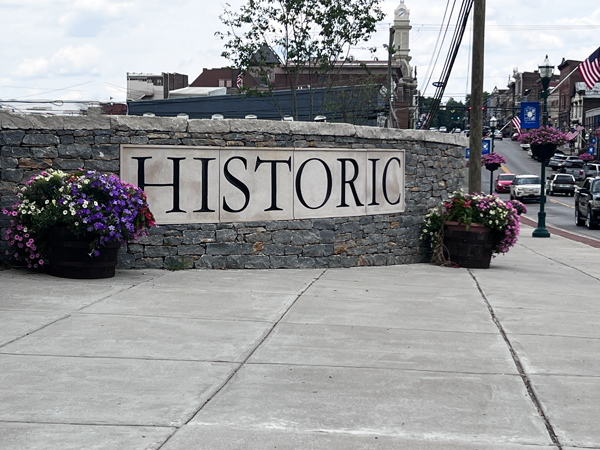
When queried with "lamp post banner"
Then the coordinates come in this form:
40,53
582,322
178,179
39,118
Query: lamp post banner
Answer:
530,115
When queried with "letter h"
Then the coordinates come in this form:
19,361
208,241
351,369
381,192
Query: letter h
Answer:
175,184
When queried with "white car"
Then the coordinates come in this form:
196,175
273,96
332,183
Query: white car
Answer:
526,187
443,129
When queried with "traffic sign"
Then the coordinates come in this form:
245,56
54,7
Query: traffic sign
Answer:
591,149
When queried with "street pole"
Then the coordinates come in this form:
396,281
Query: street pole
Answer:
493,128
546,74
476,118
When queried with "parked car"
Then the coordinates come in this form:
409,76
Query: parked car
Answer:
573,167
456,130
587,203
466,133
514,137
503,181
591,170
443,129
560,158
433,129
498,135
526,187
560,183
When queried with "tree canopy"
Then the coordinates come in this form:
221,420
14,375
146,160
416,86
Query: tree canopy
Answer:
308,38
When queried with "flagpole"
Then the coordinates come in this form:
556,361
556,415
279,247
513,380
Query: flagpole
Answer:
562,81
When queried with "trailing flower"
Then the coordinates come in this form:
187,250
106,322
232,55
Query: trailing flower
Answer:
492,158
83,202
586,156
543,135
501,217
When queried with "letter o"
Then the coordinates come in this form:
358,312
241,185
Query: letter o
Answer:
299,183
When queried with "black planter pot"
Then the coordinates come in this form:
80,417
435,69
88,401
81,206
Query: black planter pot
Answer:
492,166
543,152
69,256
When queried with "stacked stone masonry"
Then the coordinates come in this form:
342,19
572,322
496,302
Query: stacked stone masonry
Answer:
434,161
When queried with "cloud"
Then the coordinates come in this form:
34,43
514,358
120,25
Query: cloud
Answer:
88,18
81,60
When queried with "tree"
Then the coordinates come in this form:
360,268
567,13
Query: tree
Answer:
309,39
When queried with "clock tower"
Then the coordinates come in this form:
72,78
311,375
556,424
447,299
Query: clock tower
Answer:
404,77
401,33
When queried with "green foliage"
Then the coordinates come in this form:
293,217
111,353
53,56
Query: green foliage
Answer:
174,263
306,37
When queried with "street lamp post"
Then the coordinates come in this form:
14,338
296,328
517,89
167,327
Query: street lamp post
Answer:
493,123
546,71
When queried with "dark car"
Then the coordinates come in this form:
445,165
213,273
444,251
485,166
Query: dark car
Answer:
587,203
560,184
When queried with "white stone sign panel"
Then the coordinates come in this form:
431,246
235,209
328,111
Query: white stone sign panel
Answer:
240,184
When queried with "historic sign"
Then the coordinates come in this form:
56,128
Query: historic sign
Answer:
240,184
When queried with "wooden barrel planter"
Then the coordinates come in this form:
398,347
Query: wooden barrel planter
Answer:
69,256
468,248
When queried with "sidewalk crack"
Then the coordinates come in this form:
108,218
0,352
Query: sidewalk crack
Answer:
526,381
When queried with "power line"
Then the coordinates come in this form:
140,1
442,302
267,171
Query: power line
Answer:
454,47
56,90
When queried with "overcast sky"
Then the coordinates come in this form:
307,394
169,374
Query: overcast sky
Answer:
83,49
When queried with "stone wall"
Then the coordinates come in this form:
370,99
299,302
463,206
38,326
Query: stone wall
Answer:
434,162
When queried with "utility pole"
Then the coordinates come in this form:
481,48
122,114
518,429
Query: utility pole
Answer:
476,125
391,51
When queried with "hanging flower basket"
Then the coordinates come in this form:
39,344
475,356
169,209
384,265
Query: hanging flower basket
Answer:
543,141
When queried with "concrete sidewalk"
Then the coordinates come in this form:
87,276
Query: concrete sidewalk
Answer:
402,357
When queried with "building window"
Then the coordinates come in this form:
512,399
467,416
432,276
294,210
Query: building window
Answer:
228,83
221,83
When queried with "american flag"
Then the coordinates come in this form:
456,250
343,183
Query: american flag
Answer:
516,122
590,69
573,133
240,80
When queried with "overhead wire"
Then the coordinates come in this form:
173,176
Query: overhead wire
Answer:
453,51
431,66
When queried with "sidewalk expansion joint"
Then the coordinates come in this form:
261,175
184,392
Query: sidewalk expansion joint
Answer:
246,359
560,262
88,424
526,381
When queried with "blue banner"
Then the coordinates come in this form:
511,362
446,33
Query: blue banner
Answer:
486,145
530,115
